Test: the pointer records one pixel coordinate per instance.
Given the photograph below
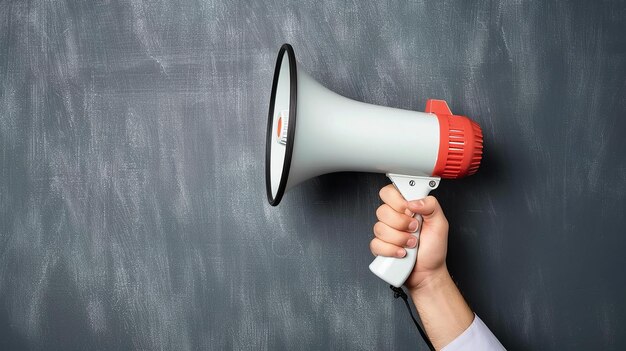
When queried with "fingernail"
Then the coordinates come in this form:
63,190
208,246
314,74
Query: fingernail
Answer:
411,242
401,253
413,226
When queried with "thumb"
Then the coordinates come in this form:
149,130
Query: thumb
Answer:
430,210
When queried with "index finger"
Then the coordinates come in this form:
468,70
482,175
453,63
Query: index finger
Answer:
392,197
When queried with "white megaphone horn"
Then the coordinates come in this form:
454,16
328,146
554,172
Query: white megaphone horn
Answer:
312,131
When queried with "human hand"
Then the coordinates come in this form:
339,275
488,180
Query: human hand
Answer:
394,230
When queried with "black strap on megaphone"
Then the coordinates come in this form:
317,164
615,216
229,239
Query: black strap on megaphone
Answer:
399,292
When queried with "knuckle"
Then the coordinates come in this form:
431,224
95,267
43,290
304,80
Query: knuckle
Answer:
386,192
374,246
382,193
378,228
379,211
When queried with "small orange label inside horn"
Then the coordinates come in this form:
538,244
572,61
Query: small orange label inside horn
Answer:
280,127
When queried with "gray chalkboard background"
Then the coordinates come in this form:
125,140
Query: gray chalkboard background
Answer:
132,201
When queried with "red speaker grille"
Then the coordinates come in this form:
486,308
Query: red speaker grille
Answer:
460,146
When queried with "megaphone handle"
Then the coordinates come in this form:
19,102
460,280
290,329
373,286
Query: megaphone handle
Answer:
395,270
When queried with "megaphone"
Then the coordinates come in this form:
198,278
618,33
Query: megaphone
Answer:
313,131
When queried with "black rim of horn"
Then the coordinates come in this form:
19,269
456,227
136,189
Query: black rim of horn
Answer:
291,132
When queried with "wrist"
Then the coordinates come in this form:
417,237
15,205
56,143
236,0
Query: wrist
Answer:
434,281
441,307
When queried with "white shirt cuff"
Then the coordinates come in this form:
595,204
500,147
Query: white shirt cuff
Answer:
476,337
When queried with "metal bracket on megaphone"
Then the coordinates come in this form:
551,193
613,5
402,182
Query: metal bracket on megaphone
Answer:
395,270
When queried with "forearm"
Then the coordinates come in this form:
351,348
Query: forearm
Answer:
442,309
